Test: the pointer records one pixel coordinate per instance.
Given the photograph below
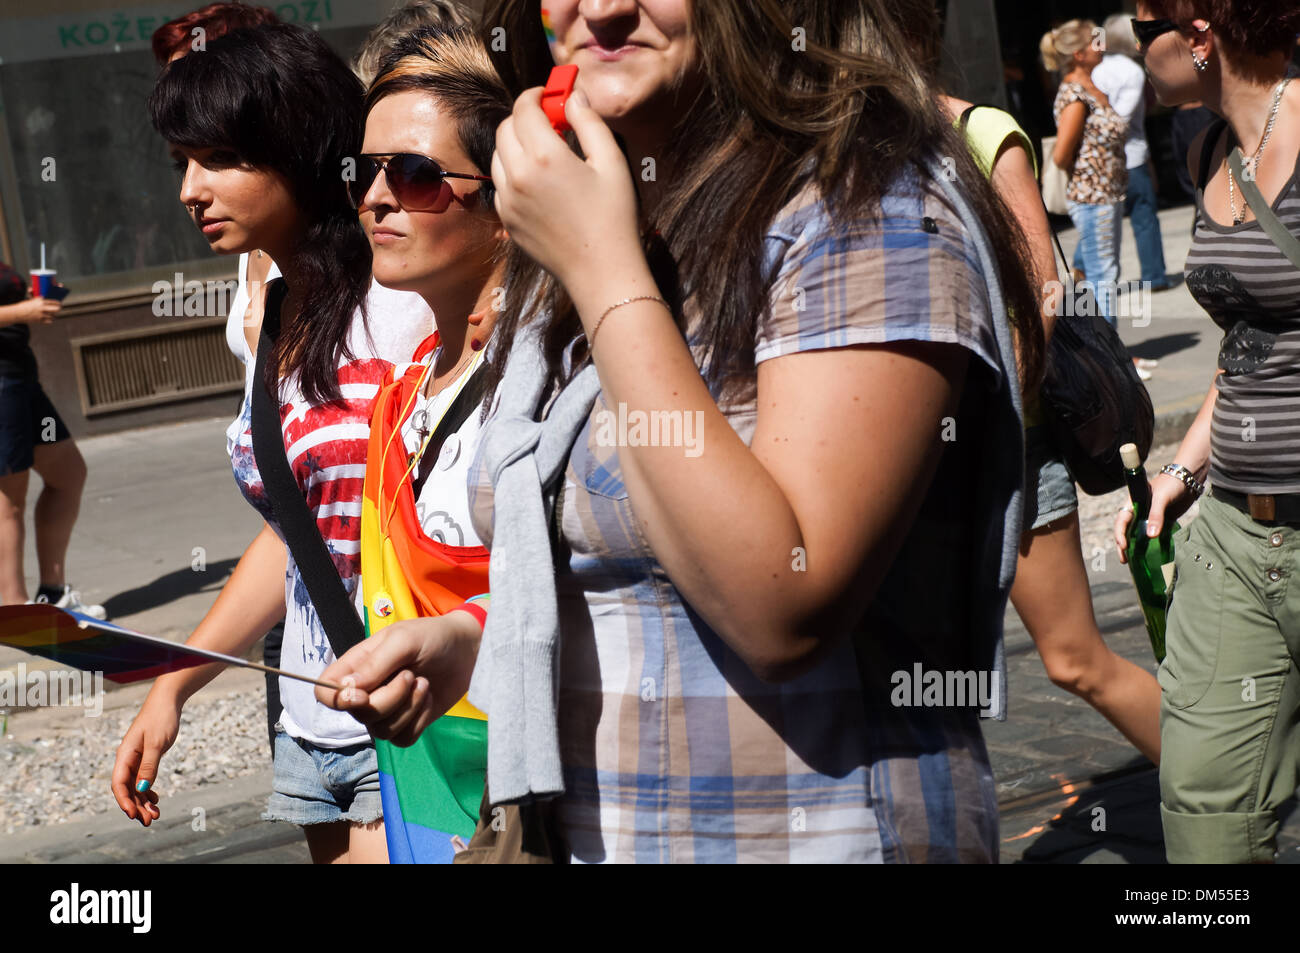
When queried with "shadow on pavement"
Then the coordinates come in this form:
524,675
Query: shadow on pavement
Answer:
1155,348
1113,823
165,589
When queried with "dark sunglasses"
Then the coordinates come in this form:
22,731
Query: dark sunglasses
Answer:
1148,31
414,180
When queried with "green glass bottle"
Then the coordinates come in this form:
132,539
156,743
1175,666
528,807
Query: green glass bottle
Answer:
1150,561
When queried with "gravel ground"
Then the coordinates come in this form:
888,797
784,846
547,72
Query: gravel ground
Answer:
63,770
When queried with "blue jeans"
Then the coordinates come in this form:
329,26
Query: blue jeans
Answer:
1097,253
1140,206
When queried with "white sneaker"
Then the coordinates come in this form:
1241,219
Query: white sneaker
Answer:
1143,373
71,601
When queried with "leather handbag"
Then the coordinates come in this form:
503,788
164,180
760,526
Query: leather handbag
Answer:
1094,399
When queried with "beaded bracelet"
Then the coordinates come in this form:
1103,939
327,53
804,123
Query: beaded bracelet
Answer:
1186,477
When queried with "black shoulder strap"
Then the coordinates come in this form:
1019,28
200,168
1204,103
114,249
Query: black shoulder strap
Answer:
1286,243
467,402
338,615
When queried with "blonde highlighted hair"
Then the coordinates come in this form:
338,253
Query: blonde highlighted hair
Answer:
433,14
453,67
1059,46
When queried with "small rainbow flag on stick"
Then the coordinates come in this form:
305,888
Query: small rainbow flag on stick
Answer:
123,655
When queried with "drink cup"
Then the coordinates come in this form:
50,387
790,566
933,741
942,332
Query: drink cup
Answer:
43,282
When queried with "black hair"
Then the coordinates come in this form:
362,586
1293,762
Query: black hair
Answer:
281,99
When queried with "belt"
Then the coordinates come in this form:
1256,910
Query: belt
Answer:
1263,508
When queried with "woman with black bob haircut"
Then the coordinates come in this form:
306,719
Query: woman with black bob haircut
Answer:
264,125
303,131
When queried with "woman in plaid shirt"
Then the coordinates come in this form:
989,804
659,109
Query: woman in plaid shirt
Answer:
779,519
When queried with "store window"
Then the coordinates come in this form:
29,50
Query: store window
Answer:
81,168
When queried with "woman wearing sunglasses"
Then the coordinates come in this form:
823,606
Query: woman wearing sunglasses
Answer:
260,125
1230,706
434,107
710,668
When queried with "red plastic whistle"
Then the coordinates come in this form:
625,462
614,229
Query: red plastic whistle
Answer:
559,85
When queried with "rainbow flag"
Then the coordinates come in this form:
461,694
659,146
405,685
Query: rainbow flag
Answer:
78,641
431,791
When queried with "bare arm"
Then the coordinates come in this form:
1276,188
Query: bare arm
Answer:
1069,135
30,311
249,604
1194,451
1169,497
778,545
1013,177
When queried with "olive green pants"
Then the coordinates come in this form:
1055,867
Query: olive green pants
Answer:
1230,688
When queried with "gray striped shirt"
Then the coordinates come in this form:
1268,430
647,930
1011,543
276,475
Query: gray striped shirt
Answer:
1252,291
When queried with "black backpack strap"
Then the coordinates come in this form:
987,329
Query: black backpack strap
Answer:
467,402
338,614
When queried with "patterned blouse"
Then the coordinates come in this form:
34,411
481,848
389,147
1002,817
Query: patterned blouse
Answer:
1100,173
672,749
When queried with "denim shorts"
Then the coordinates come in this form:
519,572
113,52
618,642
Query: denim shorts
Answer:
26,418
315,785
1049,488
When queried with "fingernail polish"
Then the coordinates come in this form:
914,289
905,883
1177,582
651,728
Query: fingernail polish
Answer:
142,786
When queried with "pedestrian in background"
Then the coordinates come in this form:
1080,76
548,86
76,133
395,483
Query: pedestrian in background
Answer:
1090,138
1230,703
1051,593
1125,84
33,437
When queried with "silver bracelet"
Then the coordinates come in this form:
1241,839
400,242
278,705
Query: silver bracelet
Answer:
1186,477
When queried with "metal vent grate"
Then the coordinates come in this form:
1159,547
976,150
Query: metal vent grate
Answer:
158,365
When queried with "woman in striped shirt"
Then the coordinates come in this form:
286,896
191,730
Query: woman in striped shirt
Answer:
1230,745
260,124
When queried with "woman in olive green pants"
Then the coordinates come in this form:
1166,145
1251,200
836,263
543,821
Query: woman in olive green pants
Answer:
1230,706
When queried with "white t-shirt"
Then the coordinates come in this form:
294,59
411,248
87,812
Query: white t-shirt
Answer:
235,339
443,503
1125,85
326,446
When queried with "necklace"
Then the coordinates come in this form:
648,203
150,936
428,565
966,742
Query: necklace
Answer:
1253,162
422,427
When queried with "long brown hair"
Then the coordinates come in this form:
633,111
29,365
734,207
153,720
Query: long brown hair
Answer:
849,112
